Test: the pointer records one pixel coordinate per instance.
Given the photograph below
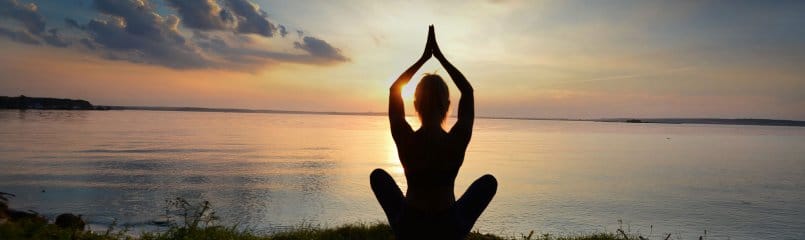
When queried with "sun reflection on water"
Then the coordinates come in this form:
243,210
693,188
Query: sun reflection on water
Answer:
394,160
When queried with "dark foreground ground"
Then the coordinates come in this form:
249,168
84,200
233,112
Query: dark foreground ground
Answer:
196,220
32,230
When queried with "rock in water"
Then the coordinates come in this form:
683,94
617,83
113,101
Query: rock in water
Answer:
70,221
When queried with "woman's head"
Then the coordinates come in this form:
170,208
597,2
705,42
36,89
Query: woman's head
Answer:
431,99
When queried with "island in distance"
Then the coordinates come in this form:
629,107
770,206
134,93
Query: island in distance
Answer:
22,102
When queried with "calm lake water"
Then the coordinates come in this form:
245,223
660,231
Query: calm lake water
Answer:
272,171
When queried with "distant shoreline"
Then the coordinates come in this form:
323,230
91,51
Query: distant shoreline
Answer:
36,103
716,121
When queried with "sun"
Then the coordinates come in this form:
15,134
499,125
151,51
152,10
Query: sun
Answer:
408,91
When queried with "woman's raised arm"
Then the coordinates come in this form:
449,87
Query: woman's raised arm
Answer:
400,127
466,104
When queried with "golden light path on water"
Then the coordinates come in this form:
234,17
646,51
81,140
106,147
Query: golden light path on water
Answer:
393,158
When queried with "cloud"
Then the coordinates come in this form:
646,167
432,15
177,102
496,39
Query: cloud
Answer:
33,24
25,13
250,19
238,52
282,30
19,36
202,14
54,38
135,17
137,33
224,34
239,16
320,49
72,23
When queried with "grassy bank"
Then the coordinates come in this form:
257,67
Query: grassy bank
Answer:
185,220
32,230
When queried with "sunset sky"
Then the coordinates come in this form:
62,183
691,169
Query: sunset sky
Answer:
564,59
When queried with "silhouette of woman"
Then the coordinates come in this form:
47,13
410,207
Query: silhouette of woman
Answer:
431,158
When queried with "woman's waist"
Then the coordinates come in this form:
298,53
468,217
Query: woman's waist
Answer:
429,200
431,177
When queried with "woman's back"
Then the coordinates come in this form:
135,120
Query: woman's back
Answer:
431,159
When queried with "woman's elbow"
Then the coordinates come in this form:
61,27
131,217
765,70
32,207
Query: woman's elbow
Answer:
468,91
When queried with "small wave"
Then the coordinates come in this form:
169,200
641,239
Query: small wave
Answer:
316,148
159,150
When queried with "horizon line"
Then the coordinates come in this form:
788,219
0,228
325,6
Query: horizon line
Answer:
661,120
